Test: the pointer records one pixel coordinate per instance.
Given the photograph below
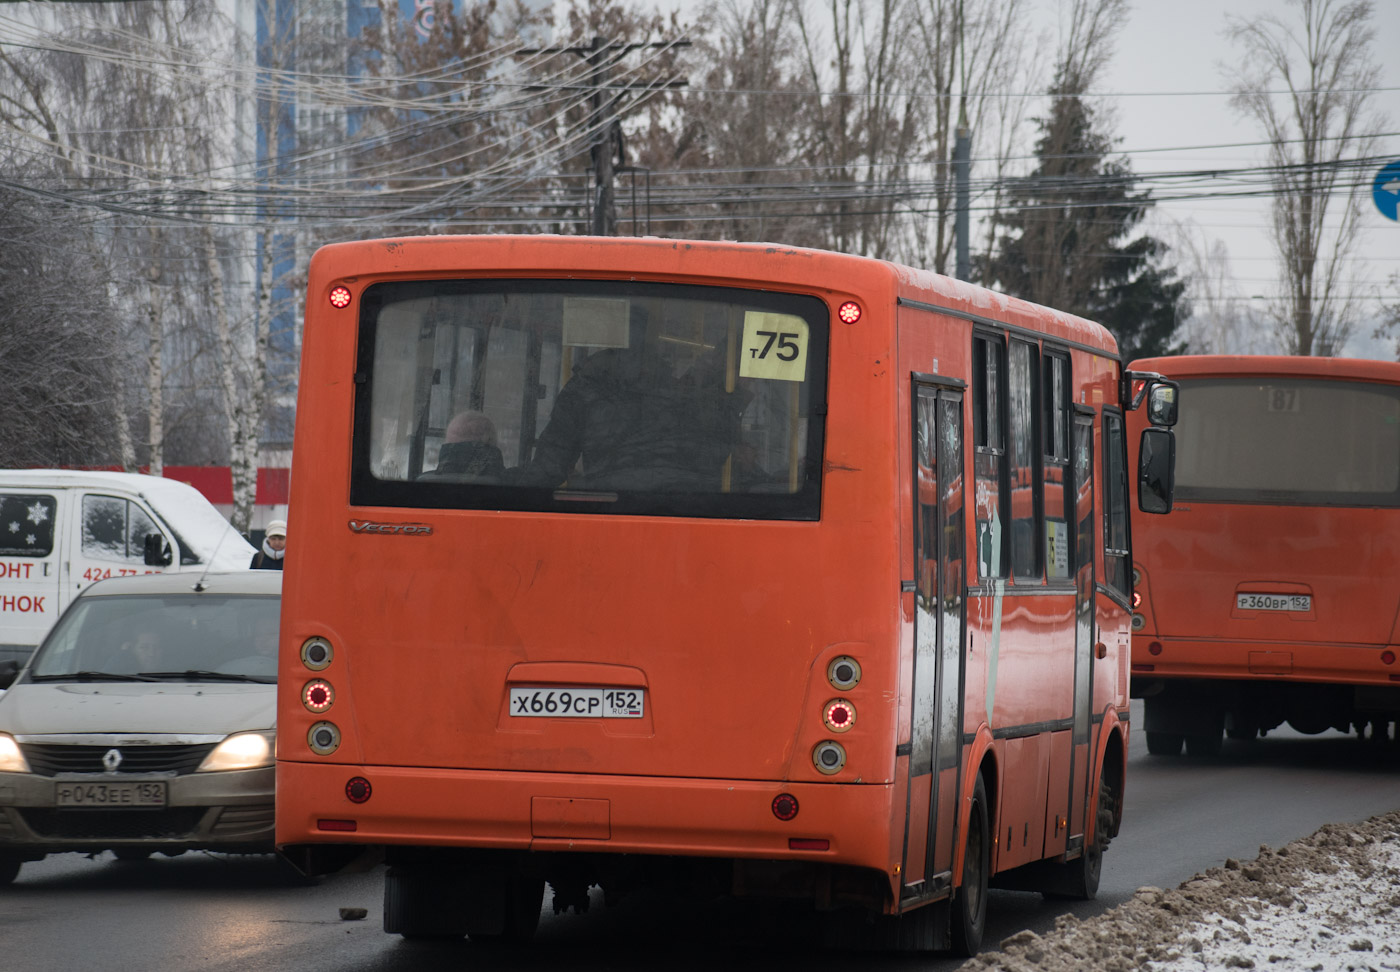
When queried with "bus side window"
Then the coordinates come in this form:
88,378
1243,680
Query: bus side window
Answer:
1059,502
989,451
1115,521
1025,479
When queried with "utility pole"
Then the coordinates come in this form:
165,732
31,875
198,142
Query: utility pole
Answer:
962,166
607,152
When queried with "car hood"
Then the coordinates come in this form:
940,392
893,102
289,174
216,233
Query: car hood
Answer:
125,707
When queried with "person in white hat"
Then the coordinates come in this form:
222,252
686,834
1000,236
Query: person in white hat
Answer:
274,545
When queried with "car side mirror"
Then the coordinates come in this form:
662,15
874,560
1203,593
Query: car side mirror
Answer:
1161,404
158,552
9,671
1156,470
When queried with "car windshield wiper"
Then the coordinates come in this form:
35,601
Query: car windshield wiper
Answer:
204,674
92,677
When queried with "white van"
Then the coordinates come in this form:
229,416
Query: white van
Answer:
62,529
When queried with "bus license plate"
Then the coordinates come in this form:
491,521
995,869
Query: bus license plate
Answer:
576,703
1273,602
109,794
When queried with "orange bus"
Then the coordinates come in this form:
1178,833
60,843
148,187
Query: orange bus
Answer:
625,561
1268,595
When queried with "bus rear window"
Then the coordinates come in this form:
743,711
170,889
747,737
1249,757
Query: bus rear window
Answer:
590,397
1288,441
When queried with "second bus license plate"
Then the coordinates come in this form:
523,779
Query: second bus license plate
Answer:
109,794
1273,602
582,702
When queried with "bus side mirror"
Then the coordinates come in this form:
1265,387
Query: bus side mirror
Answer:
158,552
1161,404
9,670
1156,470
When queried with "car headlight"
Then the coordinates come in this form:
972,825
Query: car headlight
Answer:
241,751
11,759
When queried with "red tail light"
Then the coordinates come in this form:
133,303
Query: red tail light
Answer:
340,297
808,843
785,806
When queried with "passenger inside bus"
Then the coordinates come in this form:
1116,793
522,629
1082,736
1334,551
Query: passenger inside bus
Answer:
652,416
469,447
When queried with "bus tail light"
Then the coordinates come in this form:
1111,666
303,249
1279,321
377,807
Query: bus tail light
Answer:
1387,657
317,695
324,738
843,673
829,757
357,789
348,826
849,312
809,843
316,654
785,806
839,715
1154,648
340,297
1139,622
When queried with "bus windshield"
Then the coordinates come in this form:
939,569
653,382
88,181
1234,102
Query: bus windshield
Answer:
589,396
1288,441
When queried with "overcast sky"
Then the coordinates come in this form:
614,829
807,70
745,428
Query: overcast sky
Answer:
1171,48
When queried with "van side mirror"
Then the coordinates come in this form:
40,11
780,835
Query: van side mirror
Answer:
1161,404
1156,470
158,552
9,671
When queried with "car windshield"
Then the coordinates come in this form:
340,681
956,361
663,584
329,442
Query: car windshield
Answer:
195,637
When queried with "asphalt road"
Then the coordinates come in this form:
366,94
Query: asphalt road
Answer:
205,912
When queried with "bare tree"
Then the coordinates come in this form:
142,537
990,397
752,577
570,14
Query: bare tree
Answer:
1309,85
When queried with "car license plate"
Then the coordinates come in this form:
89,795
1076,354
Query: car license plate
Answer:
1273,602
582,702
68,794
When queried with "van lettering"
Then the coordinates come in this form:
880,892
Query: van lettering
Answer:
22,604
15,569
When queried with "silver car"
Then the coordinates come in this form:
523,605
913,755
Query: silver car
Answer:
145,722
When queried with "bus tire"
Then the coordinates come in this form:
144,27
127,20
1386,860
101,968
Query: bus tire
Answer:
969,918
1202,745
1165,743
421,906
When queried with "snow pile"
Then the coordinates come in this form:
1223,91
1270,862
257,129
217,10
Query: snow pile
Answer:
1326,903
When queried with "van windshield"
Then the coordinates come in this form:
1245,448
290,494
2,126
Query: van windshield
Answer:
590,396
147,636
1294,441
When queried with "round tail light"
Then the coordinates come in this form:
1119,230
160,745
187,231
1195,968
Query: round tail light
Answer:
843,673
340,297
829,757
839,715
317,695
316,654
358,789
323,738
785,806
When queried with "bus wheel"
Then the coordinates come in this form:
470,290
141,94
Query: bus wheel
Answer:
1164,743
970,900
419,905
1204,745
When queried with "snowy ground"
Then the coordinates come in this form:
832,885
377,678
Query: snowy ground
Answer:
1326,903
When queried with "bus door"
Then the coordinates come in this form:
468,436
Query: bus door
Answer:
940,586
1082,462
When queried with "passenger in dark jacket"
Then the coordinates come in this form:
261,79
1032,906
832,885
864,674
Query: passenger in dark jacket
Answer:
637,425
274,545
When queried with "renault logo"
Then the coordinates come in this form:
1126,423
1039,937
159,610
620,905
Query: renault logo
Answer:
111,760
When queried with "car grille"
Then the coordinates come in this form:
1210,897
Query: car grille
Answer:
244,820
113,824
50,760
